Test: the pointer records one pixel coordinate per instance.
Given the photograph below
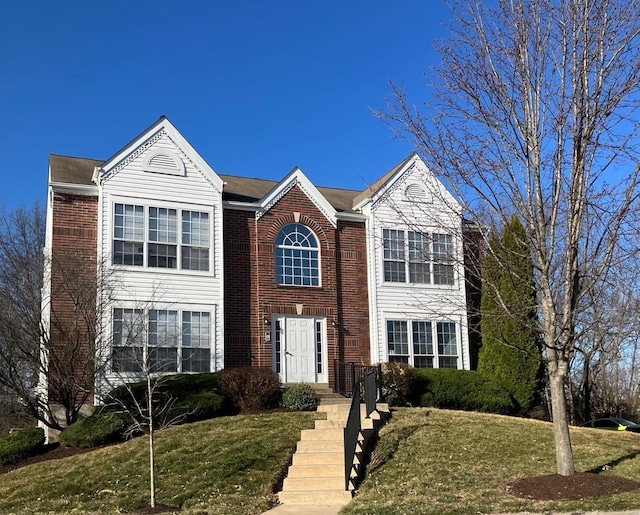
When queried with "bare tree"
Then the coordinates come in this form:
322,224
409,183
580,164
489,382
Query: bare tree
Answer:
534,113
144,354
50,344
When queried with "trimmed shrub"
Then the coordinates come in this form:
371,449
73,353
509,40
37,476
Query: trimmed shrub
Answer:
192,397
462,389
300,396
399,384
98,429
21,444
250,388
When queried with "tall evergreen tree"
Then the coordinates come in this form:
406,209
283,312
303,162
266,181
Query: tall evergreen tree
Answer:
511,353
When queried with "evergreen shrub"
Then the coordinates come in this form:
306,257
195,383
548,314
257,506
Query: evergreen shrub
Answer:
21,444
300,396
191,397
462,389
98,429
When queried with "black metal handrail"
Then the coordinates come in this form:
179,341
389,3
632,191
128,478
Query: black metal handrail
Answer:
346,374
370,391
351,434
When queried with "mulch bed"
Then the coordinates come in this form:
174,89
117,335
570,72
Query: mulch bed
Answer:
581,485
52,451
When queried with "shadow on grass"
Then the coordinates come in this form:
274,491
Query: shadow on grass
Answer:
382,450
613,463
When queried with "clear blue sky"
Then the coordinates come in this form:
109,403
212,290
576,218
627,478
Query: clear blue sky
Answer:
256,86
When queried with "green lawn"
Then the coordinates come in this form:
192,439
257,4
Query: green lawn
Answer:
226,465
427,461
431,461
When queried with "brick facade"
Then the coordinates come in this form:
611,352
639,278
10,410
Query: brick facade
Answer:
73,296
253,296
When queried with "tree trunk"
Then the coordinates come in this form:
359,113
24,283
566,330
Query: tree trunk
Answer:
558,370
152,474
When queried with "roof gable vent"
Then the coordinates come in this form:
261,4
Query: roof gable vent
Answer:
416,193
163,162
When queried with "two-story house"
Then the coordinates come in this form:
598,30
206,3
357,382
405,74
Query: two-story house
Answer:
210,271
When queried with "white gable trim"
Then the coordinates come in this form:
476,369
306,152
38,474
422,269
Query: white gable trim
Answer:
413,164
296,178
144,141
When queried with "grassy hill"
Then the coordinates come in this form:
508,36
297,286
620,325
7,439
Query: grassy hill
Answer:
427,461
431,461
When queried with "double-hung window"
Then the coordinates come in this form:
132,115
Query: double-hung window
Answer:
161,340
195,240
128,340
394,263
418,258
128,235
163,238
160,237
196,334
411,342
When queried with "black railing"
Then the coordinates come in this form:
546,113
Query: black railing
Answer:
351,434
353,426
346,374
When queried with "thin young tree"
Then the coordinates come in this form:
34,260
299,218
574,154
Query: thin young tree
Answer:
511,354
533,113
146,338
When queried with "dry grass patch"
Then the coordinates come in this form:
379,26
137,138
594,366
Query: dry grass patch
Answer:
434,461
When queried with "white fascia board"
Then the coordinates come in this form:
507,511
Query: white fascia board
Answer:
416,162
297,178
74,189
240,206
177,138
351,217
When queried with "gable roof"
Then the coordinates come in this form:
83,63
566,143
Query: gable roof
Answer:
381,182
244,189
72,170
79,170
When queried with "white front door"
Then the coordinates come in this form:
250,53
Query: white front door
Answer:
299,350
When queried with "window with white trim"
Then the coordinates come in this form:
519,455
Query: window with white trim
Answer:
153,237
419,258
297,256
161,340
411,342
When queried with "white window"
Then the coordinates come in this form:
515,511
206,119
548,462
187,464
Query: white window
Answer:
128,340
297,256
411,342
128,235
195,240
419,258
163,237
161,340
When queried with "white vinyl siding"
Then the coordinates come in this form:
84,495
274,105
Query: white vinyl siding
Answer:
195,283
416,273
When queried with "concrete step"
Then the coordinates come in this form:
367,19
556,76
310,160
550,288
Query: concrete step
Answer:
339,497
320,446
319,458
334,433
296,484
316,470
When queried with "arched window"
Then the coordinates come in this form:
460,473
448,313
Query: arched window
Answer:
297,256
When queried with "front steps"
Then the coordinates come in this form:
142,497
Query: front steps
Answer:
316,475
326,395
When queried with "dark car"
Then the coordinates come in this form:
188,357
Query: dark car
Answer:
613,424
